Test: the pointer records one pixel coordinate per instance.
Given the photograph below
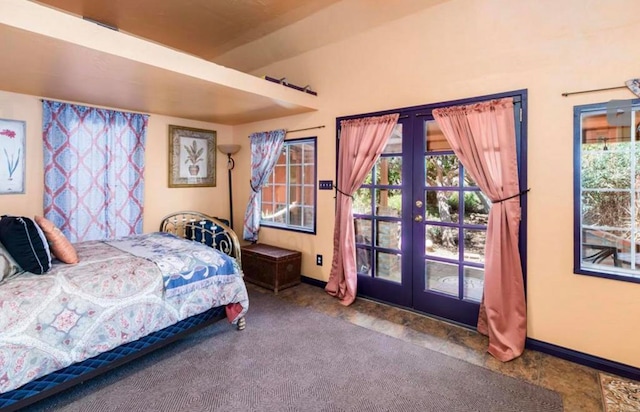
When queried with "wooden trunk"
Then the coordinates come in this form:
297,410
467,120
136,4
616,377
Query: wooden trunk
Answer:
271,267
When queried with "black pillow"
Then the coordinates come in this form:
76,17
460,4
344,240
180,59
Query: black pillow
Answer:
208,225
26,243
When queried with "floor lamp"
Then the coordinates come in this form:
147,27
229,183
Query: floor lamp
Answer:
230,149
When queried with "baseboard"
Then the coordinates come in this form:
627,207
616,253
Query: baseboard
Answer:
313,282
581,358
585,359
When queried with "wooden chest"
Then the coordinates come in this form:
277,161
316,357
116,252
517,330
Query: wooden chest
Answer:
271,267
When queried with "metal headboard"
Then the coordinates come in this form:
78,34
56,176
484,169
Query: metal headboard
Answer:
197,226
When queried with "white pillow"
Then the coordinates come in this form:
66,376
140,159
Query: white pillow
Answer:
8,266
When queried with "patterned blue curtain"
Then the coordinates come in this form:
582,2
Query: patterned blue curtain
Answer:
93,170
265,150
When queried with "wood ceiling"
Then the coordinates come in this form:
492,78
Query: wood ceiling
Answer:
204,28
182,58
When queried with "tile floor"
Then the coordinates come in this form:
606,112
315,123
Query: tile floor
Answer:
578,385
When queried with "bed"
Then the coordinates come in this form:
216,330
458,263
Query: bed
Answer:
124,298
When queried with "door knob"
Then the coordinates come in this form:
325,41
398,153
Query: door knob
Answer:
418,218
418,203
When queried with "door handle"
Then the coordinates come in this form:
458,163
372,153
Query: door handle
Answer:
419,203
418,218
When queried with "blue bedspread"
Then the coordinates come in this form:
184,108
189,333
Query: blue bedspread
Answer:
185,265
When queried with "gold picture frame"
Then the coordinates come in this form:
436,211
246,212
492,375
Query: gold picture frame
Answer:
192,157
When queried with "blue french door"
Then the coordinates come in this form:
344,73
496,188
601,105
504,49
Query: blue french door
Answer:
421,221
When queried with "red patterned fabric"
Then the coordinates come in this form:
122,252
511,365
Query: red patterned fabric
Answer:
94,170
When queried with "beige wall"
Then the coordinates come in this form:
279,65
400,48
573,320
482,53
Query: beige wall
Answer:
466,48
159,198
458,49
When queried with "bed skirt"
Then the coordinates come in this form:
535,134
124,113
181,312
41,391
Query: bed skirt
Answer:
79,372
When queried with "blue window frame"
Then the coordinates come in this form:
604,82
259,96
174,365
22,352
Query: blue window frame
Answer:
289,197
607,190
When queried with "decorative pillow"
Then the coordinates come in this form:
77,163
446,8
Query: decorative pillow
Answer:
8,266
26,243
208,225
59,244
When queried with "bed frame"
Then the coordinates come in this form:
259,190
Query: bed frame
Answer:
181,224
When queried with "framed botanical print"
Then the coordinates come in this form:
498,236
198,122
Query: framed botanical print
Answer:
12,157
192,157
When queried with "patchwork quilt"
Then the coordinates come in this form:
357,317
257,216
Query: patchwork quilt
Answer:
74,312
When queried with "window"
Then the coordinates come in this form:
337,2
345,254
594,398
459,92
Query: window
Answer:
607,191
289,197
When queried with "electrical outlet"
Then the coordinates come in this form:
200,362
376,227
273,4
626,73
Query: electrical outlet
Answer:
319,260
325,184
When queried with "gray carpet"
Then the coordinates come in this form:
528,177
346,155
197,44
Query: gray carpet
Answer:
294,359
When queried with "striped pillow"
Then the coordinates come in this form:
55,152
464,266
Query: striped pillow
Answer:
60,246
26,243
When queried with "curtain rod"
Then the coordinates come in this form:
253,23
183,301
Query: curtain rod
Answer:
308,128
301,130
594,90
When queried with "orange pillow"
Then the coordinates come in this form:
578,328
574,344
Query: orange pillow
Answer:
58,243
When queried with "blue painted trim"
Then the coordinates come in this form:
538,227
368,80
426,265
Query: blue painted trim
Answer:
312,231
313,282
577,200
581,358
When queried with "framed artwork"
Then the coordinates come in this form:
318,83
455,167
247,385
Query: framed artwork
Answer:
12,158
192,157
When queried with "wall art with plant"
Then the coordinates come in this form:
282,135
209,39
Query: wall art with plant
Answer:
12,146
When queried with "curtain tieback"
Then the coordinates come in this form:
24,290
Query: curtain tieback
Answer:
511,197
341,192
252,188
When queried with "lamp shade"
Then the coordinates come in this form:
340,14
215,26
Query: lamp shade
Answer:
229,149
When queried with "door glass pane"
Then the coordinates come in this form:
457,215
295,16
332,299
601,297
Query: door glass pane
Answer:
476,208
474,241
389,171
473,283
388,234
389,202
388,266
468,180
394,145
363,231
442,277
441,241
442,206
363,261
434,138
362,202
442,170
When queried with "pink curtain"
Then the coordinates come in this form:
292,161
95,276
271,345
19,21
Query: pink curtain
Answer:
361,143
483,137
